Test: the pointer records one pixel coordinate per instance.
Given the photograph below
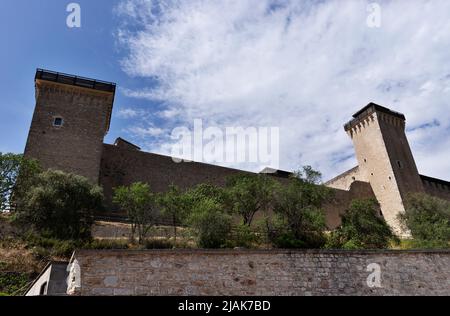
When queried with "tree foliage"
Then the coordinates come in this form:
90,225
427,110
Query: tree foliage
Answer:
16,176
247,194
175,206
300,221
362,228
139,203
211,224
60,205
208,216
428,219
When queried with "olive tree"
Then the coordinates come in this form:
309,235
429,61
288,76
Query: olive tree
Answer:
16,175
139,203
300,220
61,205
247,194
175,206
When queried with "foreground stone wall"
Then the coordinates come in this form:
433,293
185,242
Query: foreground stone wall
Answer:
244,273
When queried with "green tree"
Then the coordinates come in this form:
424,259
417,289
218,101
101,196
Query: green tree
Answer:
60,205
300,220
211,224
174,205
428,220
16,176
362,228
247,194
203,191
139,203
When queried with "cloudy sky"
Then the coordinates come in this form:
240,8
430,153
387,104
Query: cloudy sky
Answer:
302,66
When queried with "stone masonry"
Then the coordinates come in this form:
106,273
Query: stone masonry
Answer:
259,273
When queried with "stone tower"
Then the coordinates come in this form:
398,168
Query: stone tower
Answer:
71,117
385,158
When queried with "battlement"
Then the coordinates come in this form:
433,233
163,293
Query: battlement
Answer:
366,114
72,80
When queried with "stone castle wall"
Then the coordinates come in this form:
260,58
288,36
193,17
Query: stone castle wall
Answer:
436,188
122,165
247,273
345,180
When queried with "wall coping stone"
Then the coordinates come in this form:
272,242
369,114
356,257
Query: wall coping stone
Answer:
112,252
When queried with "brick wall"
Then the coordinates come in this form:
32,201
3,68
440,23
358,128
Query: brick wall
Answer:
260,272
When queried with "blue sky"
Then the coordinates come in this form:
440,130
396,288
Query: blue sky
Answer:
34,35
304,67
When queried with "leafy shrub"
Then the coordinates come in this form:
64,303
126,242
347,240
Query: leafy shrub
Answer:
406,244
243,236
47,247
211,225
106,244
60,205
298,206
428,220
362,228
158,244
12,283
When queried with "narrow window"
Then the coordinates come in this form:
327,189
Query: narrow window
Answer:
399,163
58,121
43,289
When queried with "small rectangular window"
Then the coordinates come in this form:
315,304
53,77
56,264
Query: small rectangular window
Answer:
58,121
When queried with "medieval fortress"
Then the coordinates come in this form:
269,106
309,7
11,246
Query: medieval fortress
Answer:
73,114
71,118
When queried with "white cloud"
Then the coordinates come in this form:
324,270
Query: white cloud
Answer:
127,113
145,132
302,66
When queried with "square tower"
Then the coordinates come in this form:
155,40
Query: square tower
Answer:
71,117
385,158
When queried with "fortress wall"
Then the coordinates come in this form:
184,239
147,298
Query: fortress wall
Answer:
436,189
123,166
344,181
342,199
253,272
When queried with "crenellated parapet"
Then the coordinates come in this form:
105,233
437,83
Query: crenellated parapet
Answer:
369,115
